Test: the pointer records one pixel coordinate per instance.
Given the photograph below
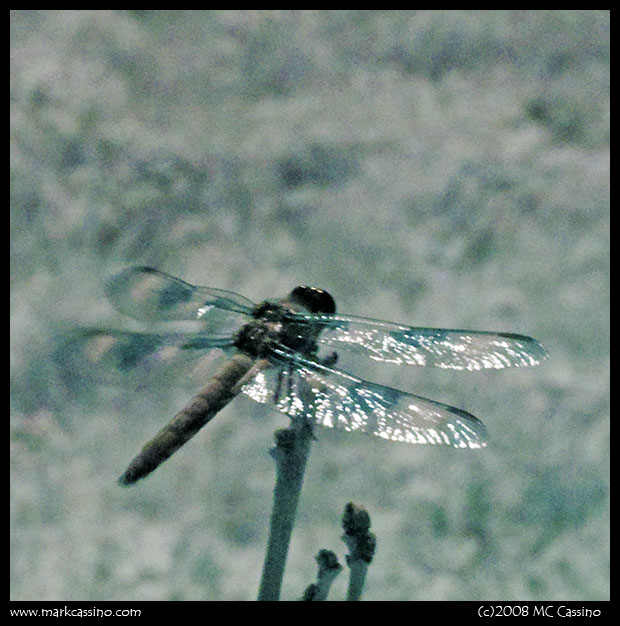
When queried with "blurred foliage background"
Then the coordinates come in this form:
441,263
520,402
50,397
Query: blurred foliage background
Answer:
435,168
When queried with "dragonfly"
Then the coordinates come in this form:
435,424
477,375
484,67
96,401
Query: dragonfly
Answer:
283,352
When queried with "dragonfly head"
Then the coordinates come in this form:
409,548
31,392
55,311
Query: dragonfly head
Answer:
313,299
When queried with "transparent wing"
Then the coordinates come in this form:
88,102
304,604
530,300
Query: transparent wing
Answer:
126,358
305,389
147,294
438,347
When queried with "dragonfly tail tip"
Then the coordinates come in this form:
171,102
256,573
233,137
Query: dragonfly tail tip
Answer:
125,480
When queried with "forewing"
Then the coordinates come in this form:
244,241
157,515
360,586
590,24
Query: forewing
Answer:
304,389
150,295
129,359
438,347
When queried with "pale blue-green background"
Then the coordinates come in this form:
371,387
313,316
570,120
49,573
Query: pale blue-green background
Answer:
432,168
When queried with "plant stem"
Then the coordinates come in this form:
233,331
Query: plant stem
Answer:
362,545
329,568
290,453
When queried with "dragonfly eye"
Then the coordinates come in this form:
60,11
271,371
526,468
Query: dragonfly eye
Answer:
314,299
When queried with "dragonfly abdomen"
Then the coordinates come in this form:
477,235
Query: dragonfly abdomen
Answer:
214,396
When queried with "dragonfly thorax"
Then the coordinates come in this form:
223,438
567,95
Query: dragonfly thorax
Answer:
273,324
